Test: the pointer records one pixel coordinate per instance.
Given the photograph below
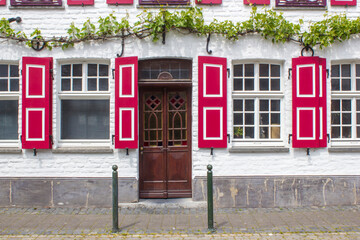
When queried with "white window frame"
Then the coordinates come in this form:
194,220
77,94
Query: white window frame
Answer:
258,95
351,95
79,95
15,95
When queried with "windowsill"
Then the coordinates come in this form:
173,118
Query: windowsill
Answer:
301,8
343,149
36,7
267,149
83,150
10,150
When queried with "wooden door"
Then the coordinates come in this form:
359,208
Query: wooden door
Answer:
165,142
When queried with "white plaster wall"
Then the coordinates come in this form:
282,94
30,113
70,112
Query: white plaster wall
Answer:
54,22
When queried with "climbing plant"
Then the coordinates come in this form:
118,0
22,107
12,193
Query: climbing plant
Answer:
269,24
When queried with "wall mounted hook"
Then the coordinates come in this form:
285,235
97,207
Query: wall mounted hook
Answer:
207,44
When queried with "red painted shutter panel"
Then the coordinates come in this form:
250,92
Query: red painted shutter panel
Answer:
119,2
309,102
2,2
208,2
126,102
80,2
36,103
212,102
258,2
343,3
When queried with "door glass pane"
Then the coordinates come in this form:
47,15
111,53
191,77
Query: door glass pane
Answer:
177,119
153,114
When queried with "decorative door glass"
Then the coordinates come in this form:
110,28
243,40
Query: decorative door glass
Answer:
153,115
177,115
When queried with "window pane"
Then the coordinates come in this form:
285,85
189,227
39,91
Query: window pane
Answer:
77,84
264,105
275,119
335,118
345,70
264,70
346,132
92,69
238,132
103,70
14,70
249,132
357,84
14,84
357,70
238,70
358,132
85,119
92,84
3,85
264,119
275,84
249,84
238,119
249,70
264,84
275,70
249,105
335,71
249,119
335,84
346,85
65,84
275,132
335,105
8,119
335,132
264,132
77,70
238,84
275,105
4,70
346,105
238,105
346,118
357,105
103,84
358,118
65,70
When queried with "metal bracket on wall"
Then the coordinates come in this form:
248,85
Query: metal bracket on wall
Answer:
328,137
308,151
228,72
34,150
289,139
112,139
289,73
127,151
228,135
164,30
122,44
207,44
212,151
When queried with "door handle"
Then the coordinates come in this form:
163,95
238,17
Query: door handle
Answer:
141,150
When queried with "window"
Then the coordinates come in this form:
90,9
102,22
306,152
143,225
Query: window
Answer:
301,3
257,99
84,101
35,2
9,101
164,2
345,102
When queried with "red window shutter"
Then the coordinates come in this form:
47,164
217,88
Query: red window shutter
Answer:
258,2
118,2
212,102
126,102
80,2
309,102
2,2
208,2
343,3
36,103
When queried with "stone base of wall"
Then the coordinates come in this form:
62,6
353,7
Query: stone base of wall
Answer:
280,191
64,192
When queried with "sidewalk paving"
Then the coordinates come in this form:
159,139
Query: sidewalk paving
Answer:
164,221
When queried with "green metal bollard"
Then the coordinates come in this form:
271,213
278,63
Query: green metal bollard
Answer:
210,199
115,214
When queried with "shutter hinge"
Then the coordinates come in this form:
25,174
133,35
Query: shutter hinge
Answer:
113,73
289,139
228,135
328,137
112,139
51,139
327,73
228,72
20,138
52,74
289,73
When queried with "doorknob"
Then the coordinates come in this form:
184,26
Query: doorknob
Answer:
141,150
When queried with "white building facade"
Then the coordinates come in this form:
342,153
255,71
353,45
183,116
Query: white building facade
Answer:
68,115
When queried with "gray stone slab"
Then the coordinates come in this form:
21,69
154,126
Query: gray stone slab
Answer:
4,192
70,192
31,192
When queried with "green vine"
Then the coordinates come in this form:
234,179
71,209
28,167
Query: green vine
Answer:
269,24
